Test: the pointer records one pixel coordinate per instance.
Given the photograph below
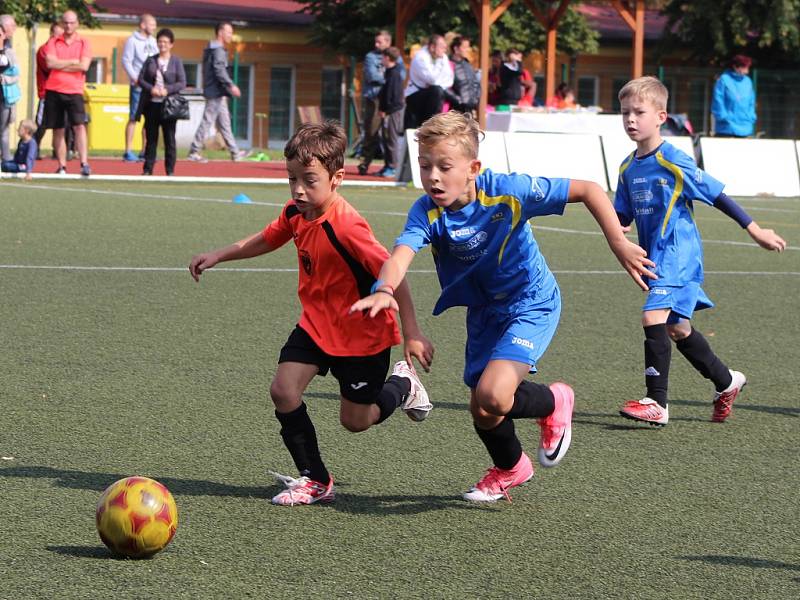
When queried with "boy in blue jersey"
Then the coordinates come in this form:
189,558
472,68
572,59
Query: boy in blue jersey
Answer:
487,260
657,184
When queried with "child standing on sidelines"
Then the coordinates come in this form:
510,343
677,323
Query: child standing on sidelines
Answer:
487,260
657,185
391,107
339,258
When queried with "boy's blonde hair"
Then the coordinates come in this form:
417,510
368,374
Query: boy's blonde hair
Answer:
646,88
459,127
28,126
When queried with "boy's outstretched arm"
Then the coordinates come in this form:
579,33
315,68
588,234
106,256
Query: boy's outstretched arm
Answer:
631,256
415,344
766,238
254,245
392,273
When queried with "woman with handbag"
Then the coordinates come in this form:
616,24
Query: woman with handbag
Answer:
161,79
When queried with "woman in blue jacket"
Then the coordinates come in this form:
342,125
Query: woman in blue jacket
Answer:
734,104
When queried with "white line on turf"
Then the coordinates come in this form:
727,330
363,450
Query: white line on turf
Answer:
365,211
294,270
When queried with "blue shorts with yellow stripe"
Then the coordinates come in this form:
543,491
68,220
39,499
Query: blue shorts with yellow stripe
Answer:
683,301
520,332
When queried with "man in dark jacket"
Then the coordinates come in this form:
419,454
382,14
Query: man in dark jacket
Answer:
217,86
465,94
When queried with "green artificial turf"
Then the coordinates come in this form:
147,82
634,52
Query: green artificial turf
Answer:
136,369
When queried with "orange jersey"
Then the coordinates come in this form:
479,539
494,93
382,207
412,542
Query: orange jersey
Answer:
339,262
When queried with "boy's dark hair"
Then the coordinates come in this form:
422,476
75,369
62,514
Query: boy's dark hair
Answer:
218,27
327,142
393,53
167,33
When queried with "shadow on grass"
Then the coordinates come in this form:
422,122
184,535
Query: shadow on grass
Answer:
744,561
788,411
99,481
401,505
461,406
100,552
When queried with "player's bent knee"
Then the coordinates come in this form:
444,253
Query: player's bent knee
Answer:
490,403
679,331
354,424
283,397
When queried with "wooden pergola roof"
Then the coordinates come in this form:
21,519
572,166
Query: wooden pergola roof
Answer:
631,11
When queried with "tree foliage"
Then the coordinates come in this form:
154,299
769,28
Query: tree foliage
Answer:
348,26
28,12
715,30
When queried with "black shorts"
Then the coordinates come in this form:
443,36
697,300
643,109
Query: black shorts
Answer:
57,104
360,378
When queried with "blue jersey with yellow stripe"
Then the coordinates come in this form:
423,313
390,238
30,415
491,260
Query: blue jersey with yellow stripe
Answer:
657,191
485,253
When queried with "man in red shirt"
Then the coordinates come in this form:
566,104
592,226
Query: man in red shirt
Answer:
41,78
67,57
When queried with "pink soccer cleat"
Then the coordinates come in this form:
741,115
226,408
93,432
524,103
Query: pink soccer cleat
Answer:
646,410
496,483
556,429
302,491
723,401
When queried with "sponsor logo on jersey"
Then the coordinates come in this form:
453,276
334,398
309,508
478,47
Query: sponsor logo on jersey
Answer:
498,216
698,176
662,182
659,291
642,196
471,244
644,211
522,342
463,232
639,180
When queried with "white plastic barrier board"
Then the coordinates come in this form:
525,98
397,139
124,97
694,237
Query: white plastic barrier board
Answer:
753,167
617,147
569,155
491,152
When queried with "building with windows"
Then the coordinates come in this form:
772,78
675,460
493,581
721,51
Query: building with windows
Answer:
271,59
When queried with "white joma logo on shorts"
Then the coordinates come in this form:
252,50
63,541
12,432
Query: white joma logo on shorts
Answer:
359,385
522,342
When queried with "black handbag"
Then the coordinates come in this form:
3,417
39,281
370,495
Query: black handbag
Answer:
175,107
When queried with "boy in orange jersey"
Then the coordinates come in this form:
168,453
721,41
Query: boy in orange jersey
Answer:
339,260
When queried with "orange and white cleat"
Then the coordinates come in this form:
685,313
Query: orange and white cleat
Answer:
556,429
496,482
646,410
723,401
302,491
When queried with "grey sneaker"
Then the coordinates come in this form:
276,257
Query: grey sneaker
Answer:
197,157
86,170
239,155
416,405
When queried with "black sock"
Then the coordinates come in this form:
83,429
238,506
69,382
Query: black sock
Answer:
392,395
657,353
502,443
300,438
697,351
532,401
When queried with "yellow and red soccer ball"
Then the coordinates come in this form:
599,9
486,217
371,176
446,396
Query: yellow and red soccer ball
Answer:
136,517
